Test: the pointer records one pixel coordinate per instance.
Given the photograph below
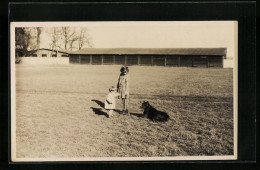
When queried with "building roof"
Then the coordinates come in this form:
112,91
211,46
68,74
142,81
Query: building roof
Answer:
155,51
61,51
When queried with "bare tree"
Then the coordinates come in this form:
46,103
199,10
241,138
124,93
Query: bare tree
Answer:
72,41
38,36
24,41
54,39
84,38
69,37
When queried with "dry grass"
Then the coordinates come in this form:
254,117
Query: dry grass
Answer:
60,114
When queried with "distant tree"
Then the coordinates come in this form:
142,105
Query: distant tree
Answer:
38,36
84,39
72,41
23,41
55,36
69,36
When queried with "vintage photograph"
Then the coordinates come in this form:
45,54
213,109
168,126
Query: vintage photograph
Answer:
123,91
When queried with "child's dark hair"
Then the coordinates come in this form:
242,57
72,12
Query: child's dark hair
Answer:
111,89
123,69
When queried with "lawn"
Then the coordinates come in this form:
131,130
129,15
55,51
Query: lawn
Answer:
59,112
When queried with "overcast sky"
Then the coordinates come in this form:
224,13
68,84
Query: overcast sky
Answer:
173,34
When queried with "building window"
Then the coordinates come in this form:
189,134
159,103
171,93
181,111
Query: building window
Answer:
34,55
64,55
54,55
44,55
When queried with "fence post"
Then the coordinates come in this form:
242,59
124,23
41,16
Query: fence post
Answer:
223,61
90,60
138,61
79,59
102,60
207,61
179,61
125,59
114,59
165,61
152,61
192,62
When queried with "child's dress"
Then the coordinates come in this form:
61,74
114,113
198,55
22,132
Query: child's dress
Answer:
110,102
123,86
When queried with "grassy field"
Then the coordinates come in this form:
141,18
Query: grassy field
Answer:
59,112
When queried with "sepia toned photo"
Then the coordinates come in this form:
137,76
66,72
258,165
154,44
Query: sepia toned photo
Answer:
123,91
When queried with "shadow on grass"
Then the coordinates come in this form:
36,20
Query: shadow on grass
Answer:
98,111
118,111
137,114
101,104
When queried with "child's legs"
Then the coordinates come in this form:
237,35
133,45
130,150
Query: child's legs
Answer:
110,112
123,101
125,104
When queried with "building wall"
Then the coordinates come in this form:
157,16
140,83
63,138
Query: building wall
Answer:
44,60
228,63
48,53
149,60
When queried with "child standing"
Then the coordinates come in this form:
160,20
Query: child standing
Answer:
123,88
110,102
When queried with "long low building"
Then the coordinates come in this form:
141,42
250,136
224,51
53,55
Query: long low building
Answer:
44,52
179,57
42,56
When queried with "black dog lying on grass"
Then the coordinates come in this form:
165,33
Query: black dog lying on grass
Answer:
151,113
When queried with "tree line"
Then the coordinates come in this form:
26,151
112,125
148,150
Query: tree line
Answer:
28,39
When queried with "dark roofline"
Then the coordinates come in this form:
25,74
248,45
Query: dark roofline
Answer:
153,51
61,51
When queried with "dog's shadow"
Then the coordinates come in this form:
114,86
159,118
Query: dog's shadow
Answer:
98,111
137,114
